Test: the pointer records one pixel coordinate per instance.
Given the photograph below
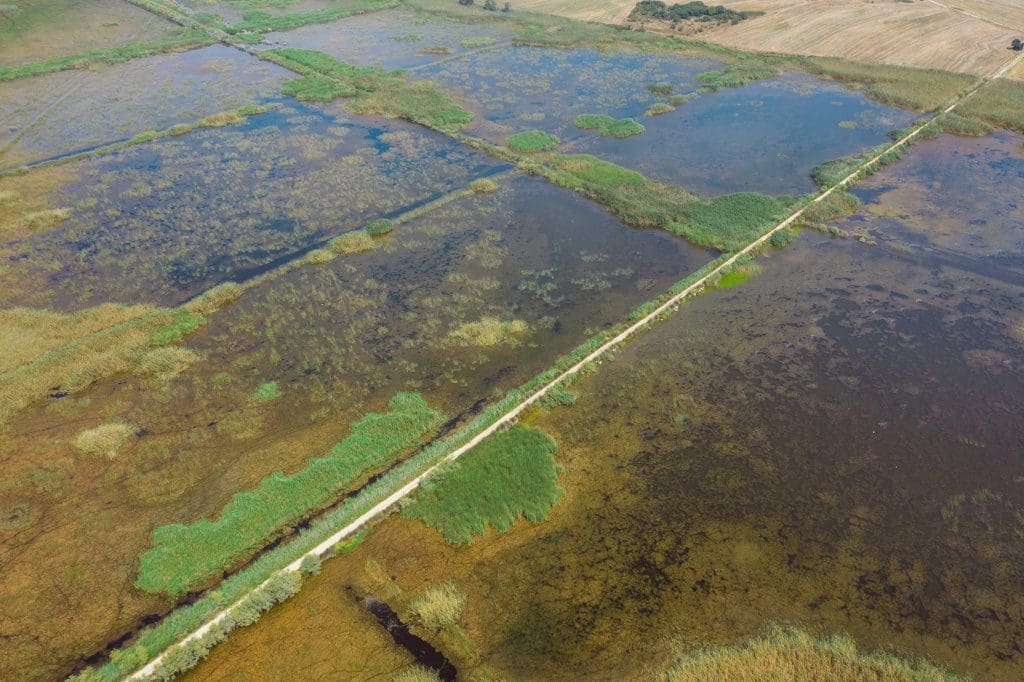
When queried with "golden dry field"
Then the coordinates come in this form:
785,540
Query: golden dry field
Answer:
967,35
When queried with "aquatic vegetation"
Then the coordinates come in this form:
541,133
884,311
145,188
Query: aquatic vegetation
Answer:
355,241
320,256
266,391
955,124
182,323
104,440
436,49
488,331
214,299
180,41
183,557
608,126
660,89
482,41
730,222
437,607
790,653
737,76
531,141
483,186
915,89
46,219
838,204
163,364
511,474
832,172
371,90
380,227
415,673
679,100
659,109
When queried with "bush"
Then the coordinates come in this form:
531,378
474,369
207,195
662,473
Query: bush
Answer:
531,141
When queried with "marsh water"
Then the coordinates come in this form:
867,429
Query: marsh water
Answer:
835,444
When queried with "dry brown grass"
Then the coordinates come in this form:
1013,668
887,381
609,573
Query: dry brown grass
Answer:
43,352
215,298
489,331
791,654
921,34
104,440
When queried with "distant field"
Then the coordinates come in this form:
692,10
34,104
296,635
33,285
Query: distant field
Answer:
920,33
44,29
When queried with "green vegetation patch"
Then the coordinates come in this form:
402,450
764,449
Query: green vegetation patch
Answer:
955,124
184,557
181,325
792,654
659,109
261,22
737,76
655,9
999,103
182,40
511,474
608,126
901,86
531,141
731,221
266,392
372,90
482,41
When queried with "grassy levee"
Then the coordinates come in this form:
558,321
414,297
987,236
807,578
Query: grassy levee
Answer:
792,654
186,39
224,118
510,475
370,90
184,557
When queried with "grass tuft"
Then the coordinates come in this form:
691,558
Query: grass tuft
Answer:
483,186
659,109
46,219
182,324
608,126
104,440
531,141
489,331
266,392
356,241
163,364
379,227
437,608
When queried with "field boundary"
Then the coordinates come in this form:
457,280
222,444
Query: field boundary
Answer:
511,416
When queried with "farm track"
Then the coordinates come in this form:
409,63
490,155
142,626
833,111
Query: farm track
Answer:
510,417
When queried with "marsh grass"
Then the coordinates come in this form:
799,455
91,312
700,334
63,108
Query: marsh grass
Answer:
792,654
659,109
437,607
181,324
482,41
730,222
380,227
488,331
737,76
836,205
266,392
255,21
46,219
955,124
608,126
531,142
184,557
214,299
909,88
163,364
510,475
483,186
999,103
356,241
104,440
180,41
371,90
415,673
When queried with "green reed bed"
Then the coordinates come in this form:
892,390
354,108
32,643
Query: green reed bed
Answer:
999,103
510,475
184,557
608,126
737,76
531,142
371,90
180,41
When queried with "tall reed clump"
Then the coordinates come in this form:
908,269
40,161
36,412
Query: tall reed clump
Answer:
792,654
372,90
184,557
511,474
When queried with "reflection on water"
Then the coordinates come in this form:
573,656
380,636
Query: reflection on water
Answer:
162,222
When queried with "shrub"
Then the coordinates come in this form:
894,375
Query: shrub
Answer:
104,440
437,608
351,242
310,565
531,141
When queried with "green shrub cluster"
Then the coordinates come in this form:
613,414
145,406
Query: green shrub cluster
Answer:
608,126
372,90
510,475
184,557
531,141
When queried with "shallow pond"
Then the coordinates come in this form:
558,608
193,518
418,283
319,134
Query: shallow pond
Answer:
163,221
72,111
340,339
765,137
834,443
393,39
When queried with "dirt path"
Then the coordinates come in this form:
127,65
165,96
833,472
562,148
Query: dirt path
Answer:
385,506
